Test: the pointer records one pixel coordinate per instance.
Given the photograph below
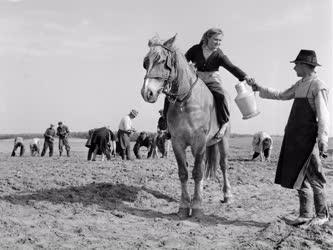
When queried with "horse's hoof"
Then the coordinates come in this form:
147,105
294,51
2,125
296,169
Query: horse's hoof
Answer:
184,212
197,213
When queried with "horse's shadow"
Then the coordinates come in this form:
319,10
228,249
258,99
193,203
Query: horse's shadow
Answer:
117,198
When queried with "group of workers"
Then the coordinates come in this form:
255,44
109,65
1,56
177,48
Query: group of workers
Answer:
49,136
102,141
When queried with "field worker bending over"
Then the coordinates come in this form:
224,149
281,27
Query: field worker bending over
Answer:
262,143
124,132
305,139
35,147
63,133
18,143
102,141
144,140
49,140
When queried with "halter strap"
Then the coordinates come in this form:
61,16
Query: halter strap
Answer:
173,98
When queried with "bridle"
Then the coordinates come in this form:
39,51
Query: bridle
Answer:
169,83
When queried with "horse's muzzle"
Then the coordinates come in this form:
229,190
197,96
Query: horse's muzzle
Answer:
148,95
150,92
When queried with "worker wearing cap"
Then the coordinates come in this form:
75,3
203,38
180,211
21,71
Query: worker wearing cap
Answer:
63,133
49,140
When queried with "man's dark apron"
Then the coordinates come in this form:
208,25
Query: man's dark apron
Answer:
297,145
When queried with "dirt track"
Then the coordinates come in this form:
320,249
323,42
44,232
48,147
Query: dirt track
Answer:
68,203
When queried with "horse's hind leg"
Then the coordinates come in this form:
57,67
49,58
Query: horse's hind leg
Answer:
185,200
224,147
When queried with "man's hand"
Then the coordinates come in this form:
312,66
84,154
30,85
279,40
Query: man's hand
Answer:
322,149
251,81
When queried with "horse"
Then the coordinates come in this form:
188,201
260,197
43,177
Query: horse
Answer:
191,118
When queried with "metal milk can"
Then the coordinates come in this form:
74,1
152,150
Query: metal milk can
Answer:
246,101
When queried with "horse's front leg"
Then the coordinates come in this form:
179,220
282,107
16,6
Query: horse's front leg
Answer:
224,147
185,200
198,152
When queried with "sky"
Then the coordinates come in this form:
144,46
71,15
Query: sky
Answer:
80,61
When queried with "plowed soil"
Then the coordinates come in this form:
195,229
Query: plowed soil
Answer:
69,203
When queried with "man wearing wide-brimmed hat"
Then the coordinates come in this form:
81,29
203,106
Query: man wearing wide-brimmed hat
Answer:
124,131
305,139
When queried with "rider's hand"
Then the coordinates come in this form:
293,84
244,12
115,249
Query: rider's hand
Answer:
322,146
249,80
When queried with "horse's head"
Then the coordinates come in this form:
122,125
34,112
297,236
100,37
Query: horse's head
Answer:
160,71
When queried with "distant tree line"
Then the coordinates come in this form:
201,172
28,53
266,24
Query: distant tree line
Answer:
84,135
79,135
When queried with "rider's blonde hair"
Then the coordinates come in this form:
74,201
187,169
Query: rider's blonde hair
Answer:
209,33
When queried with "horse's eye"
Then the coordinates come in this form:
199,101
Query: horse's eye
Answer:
146,63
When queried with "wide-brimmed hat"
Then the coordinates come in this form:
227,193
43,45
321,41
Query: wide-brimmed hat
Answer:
134,112
307,57
59,123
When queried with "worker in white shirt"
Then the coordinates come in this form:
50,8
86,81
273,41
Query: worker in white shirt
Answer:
124,131
262,145
35,147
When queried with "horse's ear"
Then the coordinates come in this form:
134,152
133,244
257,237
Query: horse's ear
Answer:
170,42
155,39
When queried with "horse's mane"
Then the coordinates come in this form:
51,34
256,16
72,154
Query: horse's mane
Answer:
182,63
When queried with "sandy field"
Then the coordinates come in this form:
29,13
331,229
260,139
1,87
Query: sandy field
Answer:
69,203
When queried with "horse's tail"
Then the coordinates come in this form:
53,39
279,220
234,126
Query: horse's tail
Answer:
212,161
